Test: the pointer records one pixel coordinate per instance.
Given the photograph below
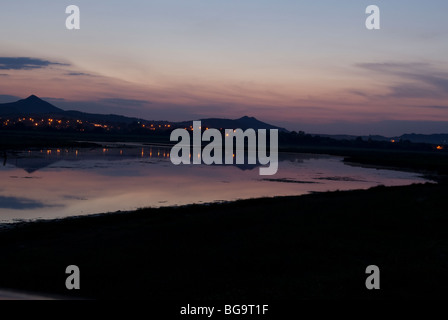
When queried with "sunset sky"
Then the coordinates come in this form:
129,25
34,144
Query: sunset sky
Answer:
303,65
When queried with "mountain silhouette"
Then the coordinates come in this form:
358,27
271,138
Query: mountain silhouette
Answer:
29,106
34,106
251,122
241,123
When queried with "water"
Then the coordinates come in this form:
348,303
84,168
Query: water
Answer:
46,184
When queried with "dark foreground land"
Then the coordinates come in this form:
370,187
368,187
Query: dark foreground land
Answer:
314,246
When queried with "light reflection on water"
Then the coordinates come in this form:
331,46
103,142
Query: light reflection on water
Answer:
54,183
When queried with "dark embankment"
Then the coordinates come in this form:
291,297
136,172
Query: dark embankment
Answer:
431,163
314,246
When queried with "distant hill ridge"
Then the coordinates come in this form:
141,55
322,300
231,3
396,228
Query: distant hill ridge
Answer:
440,138
241,123
34,106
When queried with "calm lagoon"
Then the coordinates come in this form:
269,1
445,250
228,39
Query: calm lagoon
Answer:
57,183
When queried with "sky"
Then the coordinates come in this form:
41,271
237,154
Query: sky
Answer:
302,65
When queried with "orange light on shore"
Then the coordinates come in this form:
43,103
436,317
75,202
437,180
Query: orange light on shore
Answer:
439,148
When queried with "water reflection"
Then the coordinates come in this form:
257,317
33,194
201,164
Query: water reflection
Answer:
52,183
34,160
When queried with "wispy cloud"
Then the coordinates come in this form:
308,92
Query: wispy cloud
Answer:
358,93
411,80
433,107
119,101
25,63
80,74
414,91
394,67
